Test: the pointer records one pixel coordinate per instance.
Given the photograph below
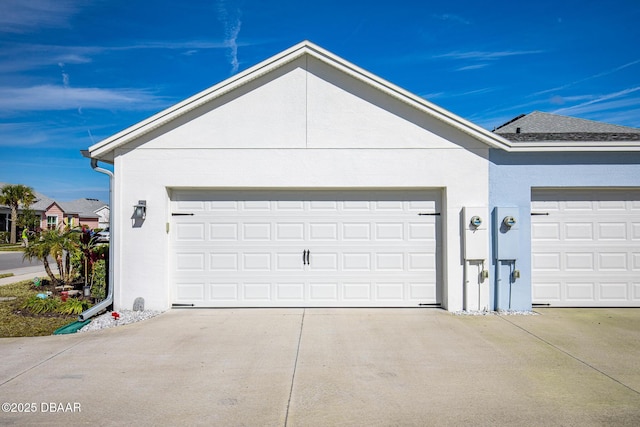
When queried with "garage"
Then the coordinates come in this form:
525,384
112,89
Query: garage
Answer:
586,247
305,248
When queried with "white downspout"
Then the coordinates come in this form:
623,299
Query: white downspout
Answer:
104,304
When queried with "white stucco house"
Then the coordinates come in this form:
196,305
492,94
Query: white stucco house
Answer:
306,181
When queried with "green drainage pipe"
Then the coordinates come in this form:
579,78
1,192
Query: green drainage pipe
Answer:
71,328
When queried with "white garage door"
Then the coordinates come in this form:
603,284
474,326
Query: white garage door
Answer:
586,248
305,249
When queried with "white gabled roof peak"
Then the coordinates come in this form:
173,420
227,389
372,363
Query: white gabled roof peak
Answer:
104,149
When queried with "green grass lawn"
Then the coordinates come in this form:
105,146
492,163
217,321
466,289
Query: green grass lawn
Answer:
5,247
18,322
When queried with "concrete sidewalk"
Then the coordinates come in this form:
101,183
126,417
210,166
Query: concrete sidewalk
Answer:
23,273
325,367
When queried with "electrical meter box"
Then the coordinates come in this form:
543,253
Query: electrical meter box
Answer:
507,233
476,233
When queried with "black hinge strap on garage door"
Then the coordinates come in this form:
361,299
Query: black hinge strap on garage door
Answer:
539,213
181,214
430,214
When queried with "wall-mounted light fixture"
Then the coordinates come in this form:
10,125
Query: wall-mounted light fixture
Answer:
140,210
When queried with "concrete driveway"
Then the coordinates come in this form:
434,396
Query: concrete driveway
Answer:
325,367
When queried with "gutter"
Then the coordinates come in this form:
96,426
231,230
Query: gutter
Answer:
108,301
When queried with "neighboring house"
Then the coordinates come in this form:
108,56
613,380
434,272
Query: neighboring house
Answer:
576,186
306,181
53,214
90,212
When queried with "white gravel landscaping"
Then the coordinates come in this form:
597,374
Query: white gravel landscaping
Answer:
496,313
107,320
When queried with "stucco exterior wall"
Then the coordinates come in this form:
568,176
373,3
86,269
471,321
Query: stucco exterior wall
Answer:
303,125
149,175
512,178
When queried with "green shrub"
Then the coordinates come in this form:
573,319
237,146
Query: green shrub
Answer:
72,306
40,306
99,280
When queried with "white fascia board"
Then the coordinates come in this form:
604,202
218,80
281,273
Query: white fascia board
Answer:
581,146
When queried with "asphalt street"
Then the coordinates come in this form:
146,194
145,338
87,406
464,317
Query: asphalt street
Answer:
13,260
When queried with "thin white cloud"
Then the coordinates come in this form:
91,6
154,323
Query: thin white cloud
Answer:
56,98
472,67
23,16
447,95
22,57
595,76
603,102
486,55
230,19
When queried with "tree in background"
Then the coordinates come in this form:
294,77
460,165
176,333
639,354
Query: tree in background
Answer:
14,195
28,219
61,245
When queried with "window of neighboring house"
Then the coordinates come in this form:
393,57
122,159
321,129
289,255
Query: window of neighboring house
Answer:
52,222
4,222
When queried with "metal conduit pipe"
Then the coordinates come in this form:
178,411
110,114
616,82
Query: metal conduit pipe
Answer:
108,301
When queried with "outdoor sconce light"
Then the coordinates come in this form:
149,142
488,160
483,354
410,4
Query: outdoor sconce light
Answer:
140,210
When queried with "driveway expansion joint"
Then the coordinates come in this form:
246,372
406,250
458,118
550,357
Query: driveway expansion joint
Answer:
571,355
295,367
53,356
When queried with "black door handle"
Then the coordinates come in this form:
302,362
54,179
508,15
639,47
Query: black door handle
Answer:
308,253
304,257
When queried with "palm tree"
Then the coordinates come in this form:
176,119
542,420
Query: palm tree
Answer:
14,196
61,245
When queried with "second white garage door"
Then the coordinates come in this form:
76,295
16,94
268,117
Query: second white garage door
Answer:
305,248
586,248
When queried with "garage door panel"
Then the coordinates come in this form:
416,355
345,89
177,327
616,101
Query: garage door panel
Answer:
585,249
190,232
614,292
193,291
289,261
290,231
222,261
366,248
257,292
290,291
223,291
579,261
546,261
223,231
612,262
422,291
578,231
323,261
323,291
612,231
580,291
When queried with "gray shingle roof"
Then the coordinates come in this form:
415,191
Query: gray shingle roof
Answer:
539,122
84,207
539,126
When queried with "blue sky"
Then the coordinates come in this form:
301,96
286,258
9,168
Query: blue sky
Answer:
73,72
